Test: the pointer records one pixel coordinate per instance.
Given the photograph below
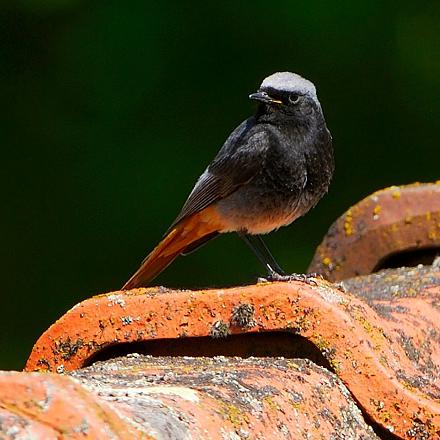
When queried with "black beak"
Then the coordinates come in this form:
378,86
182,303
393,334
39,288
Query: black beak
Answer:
264,97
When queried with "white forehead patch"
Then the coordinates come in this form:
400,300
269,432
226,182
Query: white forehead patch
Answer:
289,82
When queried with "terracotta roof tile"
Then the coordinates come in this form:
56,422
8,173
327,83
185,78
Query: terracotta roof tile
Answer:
400,220
234,398
41,406
371,343
368,347
179,398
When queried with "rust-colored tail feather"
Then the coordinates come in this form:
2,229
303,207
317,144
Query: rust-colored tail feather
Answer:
186,232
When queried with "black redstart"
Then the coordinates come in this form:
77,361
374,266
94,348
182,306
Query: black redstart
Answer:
273,168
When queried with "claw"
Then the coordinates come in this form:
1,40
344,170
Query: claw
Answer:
262,280
309,278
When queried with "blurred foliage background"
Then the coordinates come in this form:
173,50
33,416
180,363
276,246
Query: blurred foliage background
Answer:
112,109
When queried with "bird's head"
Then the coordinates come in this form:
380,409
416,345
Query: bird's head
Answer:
286,95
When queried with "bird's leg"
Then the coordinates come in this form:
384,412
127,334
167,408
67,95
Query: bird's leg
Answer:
259,248
275,273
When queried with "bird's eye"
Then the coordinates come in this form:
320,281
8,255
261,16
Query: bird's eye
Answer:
294,98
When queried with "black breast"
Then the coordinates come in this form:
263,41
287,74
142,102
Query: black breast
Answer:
299,164
320,165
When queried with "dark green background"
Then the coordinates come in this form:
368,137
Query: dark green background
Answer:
112,109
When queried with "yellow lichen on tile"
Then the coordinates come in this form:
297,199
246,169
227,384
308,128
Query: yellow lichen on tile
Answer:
396,194
326,261
432,235
348,224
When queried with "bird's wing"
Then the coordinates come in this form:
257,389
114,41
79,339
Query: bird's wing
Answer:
235,165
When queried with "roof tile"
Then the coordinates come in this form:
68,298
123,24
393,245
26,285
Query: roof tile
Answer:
400,220
371,347
372,344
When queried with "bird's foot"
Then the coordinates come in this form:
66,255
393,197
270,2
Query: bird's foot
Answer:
309,278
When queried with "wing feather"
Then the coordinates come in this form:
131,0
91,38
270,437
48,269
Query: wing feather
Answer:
240,159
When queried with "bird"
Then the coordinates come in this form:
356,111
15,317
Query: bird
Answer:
272,169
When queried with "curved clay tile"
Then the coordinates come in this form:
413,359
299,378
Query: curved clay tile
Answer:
380,348
371,346
400,221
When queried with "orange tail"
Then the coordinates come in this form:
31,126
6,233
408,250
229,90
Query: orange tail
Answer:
182,237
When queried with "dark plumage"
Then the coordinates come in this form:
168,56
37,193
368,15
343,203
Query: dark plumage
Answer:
272,169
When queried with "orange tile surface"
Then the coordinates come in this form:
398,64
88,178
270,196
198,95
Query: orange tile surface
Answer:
184,398
396,219
354,360
46,407
370,344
